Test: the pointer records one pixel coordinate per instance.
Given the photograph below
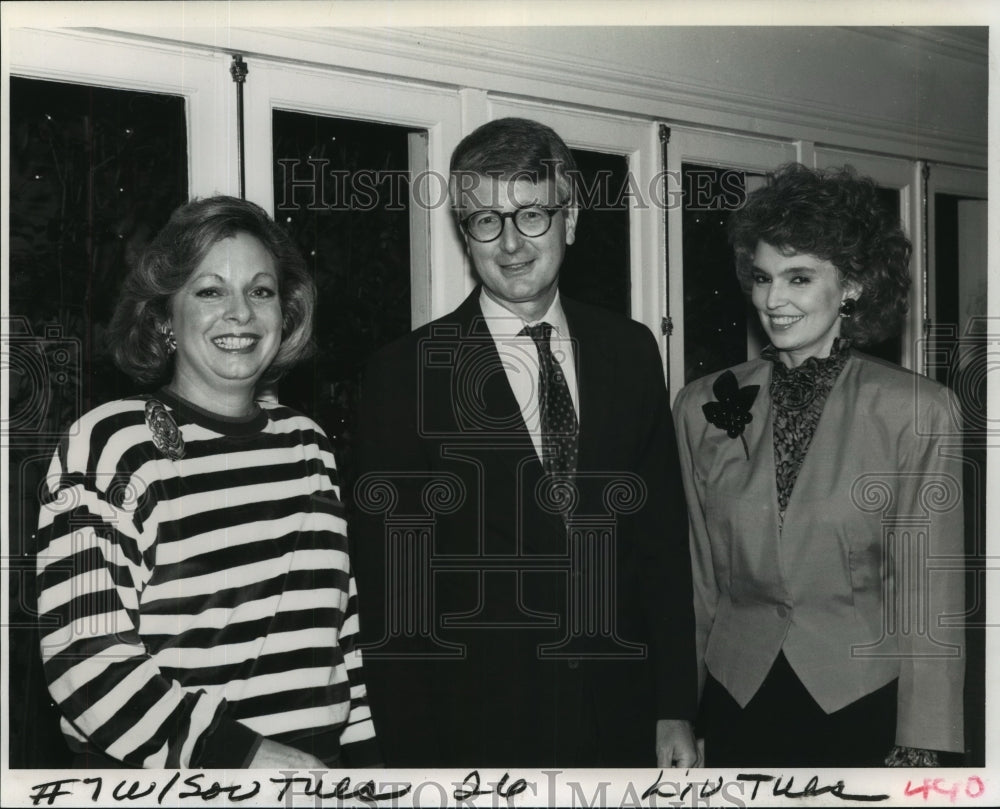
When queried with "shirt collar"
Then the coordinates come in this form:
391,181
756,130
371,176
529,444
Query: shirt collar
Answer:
503,323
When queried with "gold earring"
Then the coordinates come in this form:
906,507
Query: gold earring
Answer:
169,339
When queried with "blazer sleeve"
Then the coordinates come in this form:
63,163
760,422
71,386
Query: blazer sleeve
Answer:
706,590
930,593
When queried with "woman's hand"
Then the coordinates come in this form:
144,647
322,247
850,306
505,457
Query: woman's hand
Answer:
911,757
272,755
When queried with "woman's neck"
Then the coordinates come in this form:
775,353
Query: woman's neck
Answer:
235,403
793,359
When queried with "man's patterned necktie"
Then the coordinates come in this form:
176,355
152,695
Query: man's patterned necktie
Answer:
557,420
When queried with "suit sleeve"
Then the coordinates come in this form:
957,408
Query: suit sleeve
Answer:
930,595
665,558
390,458
706,591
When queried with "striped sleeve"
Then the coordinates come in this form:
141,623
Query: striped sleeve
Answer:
359,747
94,558
357,738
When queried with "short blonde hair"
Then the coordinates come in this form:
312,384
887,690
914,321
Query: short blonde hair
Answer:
168,261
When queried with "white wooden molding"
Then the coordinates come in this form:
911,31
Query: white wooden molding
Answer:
470,59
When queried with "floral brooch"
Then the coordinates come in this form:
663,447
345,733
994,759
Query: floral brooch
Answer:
167,436
732,410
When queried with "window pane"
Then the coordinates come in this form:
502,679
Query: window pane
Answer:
596,269
717,315
720,327
94,174
341,188
891,349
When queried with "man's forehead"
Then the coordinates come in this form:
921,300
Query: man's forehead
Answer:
482,191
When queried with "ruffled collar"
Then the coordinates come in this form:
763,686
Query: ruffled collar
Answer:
795,388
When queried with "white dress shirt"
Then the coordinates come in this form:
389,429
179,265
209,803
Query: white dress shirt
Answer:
519,357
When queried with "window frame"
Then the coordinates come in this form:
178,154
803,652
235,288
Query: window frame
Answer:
437,263
74,57
905,177
705,147
638,141
961,182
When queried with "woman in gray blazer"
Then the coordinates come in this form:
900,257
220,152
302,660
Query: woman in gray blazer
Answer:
824,490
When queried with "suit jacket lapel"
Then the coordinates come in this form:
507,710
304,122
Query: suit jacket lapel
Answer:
595,375
482,376
509,446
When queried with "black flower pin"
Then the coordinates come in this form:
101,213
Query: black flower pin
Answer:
732,412
166,435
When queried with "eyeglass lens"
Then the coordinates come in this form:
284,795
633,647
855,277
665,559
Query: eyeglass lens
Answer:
488,225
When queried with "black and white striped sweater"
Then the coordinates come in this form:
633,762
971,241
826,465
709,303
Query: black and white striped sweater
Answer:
189,608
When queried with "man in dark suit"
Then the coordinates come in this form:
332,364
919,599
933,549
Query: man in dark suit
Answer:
521,533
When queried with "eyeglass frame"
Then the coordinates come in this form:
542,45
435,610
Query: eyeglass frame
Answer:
549,210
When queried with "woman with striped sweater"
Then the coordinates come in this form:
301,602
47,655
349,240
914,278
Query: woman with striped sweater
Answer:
196,597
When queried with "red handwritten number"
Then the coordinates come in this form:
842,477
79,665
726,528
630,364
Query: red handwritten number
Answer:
924,788
951,791
980,786
974,788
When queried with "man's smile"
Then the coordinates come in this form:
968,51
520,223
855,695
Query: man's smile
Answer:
520,265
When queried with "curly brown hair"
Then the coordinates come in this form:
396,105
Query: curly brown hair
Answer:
168,261
835,215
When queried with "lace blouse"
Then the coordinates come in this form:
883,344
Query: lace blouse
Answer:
798,396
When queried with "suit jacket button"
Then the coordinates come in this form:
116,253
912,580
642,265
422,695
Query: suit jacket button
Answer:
782,611
574,663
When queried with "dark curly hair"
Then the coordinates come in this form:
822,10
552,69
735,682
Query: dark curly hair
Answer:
835,215
168,261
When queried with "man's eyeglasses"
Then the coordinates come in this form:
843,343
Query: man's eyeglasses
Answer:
486,226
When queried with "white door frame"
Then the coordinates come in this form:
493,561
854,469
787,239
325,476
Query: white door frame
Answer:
78,57
437,266
961,182
905,177
638,141
691,145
